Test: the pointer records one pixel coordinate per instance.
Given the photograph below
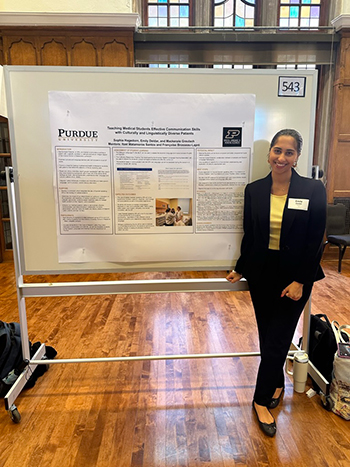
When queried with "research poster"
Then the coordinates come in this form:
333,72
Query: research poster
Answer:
149,177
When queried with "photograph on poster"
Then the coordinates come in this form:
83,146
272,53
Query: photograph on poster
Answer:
169,212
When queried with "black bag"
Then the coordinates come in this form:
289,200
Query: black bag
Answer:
50,354
11,359
322,346
10,347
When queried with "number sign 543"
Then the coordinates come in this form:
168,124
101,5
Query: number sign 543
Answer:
291,86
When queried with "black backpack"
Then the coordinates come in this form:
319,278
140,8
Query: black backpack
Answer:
322,346
11,359
10,348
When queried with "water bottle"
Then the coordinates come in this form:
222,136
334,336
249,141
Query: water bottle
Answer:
300,371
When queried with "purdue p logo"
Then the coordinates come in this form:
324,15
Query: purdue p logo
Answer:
232,137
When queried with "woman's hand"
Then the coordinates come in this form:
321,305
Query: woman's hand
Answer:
294,291
234,277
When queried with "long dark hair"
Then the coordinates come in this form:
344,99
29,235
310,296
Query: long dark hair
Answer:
289,132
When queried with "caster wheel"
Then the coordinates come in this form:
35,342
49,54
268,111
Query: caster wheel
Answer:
14,414
327,403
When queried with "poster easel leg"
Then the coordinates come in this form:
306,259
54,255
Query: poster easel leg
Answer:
21,381
17,387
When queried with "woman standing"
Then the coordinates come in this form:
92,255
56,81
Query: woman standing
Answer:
284,223
179,214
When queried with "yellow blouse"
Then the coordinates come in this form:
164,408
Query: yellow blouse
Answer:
276,213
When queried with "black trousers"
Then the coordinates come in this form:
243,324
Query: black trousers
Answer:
277,319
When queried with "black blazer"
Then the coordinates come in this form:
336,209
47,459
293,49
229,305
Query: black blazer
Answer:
301,241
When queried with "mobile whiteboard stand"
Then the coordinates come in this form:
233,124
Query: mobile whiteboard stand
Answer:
25,290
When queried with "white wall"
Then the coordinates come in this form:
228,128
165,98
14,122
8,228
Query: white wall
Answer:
341,7
66,6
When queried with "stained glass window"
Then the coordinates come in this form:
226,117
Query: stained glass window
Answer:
299,66
165,13
300,13
165,65
234,13
236,67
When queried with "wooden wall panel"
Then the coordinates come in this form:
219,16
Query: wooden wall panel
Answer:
115,52
22,52
54,53
344,110
341,176
345,56
338,174
57,46
84,53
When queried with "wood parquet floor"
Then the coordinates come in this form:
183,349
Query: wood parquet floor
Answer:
162,413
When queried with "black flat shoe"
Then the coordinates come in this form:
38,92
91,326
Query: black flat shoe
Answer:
275,401
268,428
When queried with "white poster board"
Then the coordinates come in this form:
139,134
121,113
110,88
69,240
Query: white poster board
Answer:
27,91
122,162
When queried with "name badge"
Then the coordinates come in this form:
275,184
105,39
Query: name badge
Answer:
296,203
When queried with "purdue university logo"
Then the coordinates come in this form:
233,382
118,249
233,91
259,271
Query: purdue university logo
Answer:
75,135
232,137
